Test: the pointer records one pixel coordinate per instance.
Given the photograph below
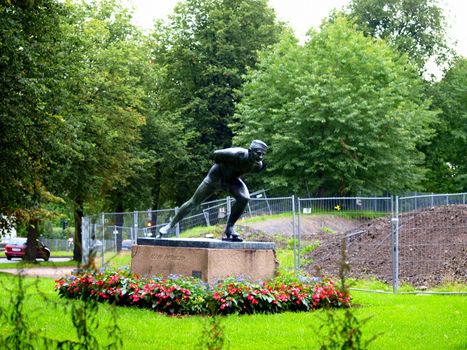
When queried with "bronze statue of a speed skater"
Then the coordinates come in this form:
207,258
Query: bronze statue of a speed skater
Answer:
230,164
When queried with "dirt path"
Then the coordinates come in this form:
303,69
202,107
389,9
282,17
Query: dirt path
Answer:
310,225
50,272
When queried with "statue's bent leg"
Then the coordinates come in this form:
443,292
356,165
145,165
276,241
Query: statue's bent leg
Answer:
239,191
203,191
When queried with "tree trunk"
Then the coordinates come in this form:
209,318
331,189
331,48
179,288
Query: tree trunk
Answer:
78,238
31,247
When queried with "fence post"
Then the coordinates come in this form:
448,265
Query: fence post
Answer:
229,206
294,231
395,247
206,217
177,225
267,202
135,227
85,240
115,232
299,233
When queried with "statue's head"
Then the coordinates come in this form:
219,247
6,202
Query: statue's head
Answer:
258,149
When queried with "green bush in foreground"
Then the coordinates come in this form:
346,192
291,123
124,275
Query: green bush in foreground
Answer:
178,295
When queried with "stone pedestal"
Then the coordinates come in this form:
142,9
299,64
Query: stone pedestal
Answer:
208,259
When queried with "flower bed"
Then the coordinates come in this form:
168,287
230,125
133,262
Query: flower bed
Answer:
177,295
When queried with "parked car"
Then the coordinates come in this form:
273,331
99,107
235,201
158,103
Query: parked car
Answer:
126,244
16,248
3,244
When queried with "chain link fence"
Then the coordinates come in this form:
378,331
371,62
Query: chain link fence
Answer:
431,239
420,239
324,222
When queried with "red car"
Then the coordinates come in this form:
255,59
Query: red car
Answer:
16,248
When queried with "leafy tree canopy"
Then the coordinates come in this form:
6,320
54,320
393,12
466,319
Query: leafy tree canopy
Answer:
446,155
102,102
202,52
29,126
415,27
343,115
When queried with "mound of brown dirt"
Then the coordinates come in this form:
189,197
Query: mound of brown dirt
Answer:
432,248
432,244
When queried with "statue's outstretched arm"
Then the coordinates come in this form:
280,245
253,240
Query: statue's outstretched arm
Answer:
226,155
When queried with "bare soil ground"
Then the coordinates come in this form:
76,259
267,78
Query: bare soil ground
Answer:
432,244
51,272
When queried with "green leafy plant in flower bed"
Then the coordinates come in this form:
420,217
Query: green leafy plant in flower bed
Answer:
177,295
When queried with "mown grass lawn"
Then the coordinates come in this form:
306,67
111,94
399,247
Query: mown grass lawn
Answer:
406,321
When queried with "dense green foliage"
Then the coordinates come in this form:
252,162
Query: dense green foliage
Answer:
102,105
29,125
343,114
202,52
446,155
415,27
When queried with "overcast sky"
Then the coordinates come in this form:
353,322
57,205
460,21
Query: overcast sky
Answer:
304,14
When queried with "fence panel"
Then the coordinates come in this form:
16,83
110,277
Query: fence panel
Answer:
147,223
419,239
216,212
432,239
56,245
364,223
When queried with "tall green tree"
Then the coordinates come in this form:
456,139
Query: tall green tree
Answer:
344,114
446,155
29,125
202,53
415,27
103,105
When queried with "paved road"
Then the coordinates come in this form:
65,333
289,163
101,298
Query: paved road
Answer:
3,259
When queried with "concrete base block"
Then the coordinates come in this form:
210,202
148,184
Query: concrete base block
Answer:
212,261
